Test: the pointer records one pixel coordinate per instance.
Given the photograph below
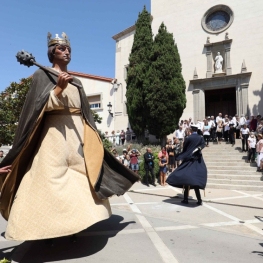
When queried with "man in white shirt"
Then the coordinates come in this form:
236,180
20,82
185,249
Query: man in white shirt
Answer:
242,120
179,134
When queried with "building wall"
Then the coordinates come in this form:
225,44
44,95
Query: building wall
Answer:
123,49
183,19
103,88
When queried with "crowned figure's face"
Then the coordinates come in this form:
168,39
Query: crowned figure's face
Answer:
62,54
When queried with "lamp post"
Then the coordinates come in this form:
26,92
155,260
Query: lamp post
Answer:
109,109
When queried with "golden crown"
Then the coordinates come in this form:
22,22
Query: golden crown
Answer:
57,40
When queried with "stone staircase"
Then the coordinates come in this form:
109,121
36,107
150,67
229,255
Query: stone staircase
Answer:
227,168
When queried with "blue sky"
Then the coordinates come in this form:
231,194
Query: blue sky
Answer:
90,25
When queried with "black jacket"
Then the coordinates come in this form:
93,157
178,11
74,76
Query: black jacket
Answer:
148,160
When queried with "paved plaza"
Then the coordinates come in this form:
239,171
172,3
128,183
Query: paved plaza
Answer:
149,224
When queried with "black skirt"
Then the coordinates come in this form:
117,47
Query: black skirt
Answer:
192,172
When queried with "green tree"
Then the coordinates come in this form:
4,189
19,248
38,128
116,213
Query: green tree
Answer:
165,92
11,103
139,62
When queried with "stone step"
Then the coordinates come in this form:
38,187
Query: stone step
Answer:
224,157
235,182
231,169
233,172
256,176
233,165
235,187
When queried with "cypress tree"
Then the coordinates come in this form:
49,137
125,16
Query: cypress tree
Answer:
165,93
139,62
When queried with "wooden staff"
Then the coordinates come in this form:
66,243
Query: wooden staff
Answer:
27,59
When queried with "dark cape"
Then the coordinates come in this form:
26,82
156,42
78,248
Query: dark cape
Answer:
113,178
192,171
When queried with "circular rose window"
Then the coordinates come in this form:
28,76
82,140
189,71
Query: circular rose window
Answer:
217,19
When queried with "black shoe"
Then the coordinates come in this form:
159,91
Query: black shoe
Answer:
147,184
154,184
184,201
200,202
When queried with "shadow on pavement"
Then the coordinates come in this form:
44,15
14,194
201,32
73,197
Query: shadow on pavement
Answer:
89,242
260,253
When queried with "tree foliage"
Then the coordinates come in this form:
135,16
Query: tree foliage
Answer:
11,103
165,92
139,62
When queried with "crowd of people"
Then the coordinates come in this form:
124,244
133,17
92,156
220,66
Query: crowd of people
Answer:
213,129
120,137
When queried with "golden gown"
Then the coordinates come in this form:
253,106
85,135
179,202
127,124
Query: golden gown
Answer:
55,197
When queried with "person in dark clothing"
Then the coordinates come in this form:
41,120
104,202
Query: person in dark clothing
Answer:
231,133
148,166
192,173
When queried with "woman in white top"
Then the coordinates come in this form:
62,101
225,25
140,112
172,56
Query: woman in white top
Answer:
206,132
251,147
244,132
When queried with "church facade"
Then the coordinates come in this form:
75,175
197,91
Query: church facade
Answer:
221,49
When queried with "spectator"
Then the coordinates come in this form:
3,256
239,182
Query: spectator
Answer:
232,134
260,127
219,131
163,168
206,132
1,156
226,129
106,135
128,135
122,137
244,132
117,137
247,122
238,127
212,124
253,124
112,137
259,149
251,148
242,120
149,166
219,118
116,154
134,160
180,134
133,135
126,160
171,153
258,119
163,150
177,149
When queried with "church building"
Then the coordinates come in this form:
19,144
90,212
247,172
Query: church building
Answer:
221,49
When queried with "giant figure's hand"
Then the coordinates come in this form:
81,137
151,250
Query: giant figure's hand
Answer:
63,79
5,169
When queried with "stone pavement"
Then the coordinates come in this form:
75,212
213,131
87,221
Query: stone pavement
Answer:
149,224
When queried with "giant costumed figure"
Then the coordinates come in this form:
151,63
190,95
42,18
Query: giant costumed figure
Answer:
61,175
192,172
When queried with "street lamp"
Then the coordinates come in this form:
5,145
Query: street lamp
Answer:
109,109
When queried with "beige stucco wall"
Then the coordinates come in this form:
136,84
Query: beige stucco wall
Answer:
183,19
123,49
104,89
